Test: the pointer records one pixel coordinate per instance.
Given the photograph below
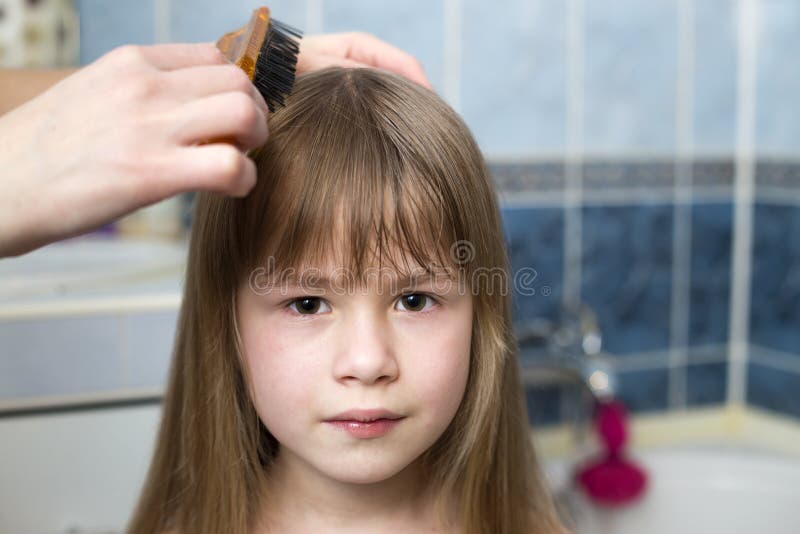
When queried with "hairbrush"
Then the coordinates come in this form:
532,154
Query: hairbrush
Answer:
266,50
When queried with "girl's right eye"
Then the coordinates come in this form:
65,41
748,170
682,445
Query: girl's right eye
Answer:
307,305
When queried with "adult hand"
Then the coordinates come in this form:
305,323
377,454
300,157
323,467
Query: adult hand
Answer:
122,133
133,127
357,49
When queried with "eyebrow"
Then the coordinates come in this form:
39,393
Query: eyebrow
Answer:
325,281
405,279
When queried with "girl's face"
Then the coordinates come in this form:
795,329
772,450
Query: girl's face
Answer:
319,349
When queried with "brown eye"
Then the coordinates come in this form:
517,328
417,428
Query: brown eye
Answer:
415,301
306,305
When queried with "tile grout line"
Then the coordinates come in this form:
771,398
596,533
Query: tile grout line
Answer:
775,359
747,11
682,209
789,196
452,53
573,166
314,17
161,21
573,171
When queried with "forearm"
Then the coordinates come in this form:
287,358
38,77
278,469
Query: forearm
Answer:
17,86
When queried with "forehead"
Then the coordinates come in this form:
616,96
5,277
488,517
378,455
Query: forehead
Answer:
357,240
393,267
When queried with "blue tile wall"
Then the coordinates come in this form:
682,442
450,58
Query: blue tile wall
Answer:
105,25
714,120
629,94
517,102
773,389
627,270
710,273
707,383
415,26
513,79
535,240
778,78
644,390
543,405
512,92
775,284
208,20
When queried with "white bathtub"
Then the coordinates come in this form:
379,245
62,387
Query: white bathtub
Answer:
701,490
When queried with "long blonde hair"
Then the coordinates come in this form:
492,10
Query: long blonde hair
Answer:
403,171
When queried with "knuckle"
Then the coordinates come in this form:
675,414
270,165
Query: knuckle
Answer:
214,55
127,53
239,80
142,87
133,170
361,35
244,110
231,165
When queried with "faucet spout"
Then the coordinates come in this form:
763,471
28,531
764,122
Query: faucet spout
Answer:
594,374
568,349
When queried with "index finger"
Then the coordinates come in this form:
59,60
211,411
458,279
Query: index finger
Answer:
174,56
368,49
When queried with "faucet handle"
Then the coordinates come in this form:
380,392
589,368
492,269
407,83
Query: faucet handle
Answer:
534,334
578,330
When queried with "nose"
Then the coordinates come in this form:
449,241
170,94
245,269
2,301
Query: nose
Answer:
366,352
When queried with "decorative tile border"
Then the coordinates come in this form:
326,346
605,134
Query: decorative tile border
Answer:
777,174
634,175
628,174
532,176
713,173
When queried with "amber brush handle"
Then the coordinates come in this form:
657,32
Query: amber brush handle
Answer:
243,46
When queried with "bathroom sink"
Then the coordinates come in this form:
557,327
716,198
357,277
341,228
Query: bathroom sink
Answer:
88,320
91,267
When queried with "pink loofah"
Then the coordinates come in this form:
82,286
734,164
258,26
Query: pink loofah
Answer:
612,480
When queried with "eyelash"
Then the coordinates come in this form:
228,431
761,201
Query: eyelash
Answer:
423,312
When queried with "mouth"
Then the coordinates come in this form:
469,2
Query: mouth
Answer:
365,416
365,429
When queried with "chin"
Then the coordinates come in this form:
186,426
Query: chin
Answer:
359,471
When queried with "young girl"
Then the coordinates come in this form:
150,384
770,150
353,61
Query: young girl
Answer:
344,360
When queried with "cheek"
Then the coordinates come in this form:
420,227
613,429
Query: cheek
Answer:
441,367
282,387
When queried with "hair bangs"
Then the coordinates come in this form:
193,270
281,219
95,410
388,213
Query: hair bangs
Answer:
346,187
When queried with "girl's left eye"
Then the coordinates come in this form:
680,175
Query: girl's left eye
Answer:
417,302
308,305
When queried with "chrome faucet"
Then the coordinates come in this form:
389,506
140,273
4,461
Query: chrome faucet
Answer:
568,349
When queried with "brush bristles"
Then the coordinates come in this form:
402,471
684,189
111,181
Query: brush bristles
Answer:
277,60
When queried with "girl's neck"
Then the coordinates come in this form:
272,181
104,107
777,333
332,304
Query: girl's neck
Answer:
298,498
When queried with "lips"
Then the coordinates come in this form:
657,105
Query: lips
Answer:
365,416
